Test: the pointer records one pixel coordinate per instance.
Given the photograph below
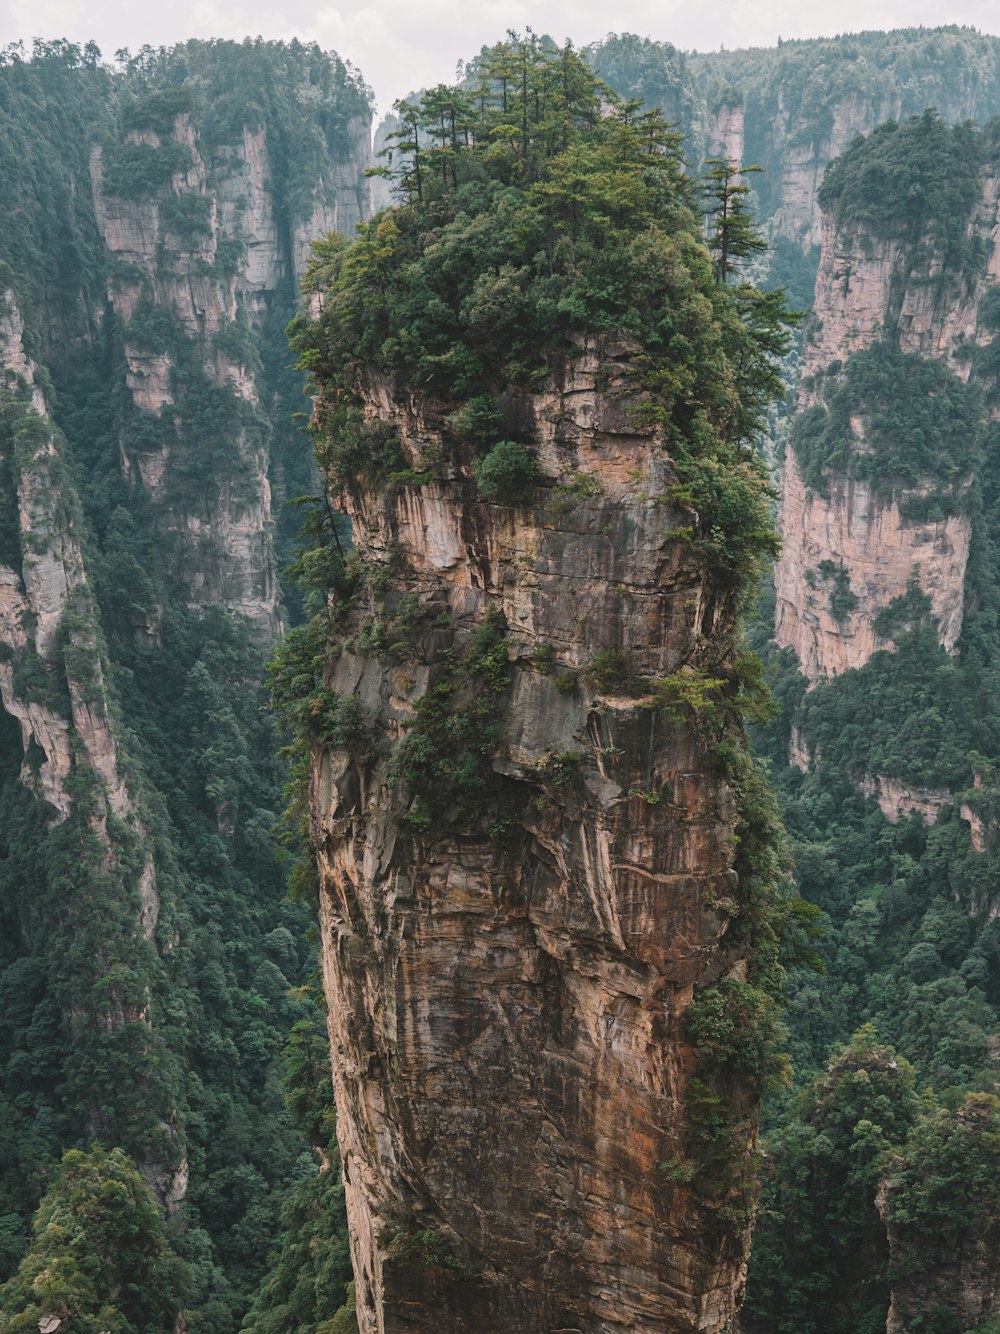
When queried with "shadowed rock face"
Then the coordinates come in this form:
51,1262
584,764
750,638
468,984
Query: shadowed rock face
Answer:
507,981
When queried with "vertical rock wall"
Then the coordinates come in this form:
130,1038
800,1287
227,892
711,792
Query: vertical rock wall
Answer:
190,275
52,682
508,983
867,286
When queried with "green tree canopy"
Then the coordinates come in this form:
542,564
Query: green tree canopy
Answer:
100,1261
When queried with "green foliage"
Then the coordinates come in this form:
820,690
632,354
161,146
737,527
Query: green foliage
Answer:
307,707
527,222
48,235
100,1261
444,760
820,1253
508,473
690,695
731,230
428,1249
153,330
136,170
479,421
187,216
915,180
842,600
78,978
610,672
350,446
734,1026
156,110
309,1266
946,1184
904,613
922,424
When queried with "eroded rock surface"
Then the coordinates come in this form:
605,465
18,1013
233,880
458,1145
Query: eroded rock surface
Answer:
507,986
866,285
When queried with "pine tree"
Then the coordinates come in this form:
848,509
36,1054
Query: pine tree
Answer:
732,234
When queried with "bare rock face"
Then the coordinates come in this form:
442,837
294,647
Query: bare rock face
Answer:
727,133
208,251
864,534
508,963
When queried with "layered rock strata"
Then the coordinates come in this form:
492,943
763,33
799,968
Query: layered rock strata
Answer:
508,982
852,548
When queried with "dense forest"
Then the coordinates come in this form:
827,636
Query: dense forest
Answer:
167,1130
211,1091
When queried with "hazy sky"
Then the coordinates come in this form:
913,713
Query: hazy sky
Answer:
401,44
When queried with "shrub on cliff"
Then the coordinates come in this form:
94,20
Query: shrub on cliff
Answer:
507,473
921,178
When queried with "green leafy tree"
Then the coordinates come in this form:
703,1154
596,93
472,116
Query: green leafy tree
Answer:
100,1261
820,1252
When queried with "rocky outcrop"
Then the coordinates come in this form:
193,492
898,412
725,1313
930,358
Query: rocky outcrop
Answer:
508,983
897,801
804,156
853,547
727,133
866,285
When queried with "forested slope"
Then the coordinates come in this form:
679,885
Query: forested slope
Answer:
153,221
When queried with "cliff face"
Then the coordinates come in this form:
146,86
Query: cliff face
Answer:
52,682
871,540
804,150
863,533
209,251
507,989
794,109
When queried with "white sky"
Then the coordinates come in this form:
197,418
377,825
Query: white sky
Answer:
400,45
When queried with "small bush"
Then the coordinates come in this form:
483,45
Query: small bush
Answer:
507,473
134,170
609,671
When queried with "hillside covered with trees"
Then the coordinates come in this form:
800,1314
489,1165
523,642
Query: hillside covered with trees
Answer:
495,779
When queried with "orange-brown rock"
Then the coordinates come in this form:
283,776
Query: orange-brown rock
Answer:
864,533
507,988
